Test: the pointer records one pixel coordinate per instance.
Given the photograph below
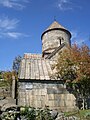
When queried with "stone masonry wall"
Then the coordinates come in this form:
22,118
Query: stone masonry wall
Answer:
42,94
51,39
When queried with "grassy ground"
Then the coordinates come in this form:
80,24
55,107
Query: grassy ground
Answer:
82,114
4,84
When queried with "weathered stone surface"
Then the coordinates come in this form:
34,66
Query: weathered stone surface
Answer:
37,88
51,40
43,94
7,103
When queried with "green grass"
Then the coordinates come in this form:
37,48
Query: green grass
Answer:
80,114
4,84
84,113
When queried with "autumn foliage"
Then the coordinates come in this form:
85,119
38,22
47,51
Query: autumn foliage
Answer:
73,63
73,67
7,76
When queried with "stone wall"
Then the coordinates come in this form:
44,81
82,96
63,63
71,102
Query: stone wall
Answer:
5,92
41,94
51,40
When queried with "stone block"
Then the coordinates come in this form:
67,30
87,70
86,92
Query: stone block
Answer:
62,96
57,96
37,91
43,91
51,103
68,96
57,103
50,96
39,105
54,91
69,103
61,103
38,97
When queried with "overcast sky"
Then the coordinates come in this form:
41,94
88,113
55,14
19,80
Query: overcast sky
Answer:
23,21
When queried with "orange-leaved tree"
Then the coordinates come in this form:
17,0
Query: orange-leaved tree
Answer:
73,67
8,76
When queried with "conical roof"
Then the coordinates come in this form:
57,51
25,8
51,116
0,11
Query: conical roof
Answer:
54,25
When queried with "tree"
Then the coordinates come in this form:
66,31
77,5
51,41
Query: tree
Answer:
0,74
73,67
7,76
16,63
7,79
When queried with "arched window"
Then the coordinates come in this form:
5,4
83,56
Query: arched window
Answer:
60,40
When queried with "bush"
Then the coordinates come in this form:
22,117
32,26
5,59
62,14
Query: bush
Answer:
29,113
87,115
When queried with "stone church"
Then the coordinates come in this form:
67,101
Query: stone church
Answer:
36,88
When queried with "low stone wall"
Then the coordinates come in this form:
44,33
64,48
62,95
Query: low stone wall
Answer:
41,94
7,102
4,92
